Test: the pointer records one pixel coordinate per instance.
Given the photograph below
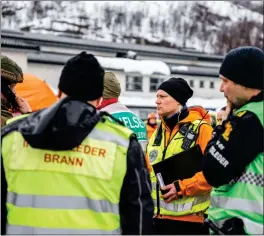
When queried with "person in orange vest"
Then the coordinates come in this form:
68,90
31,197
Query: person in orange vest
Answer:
151,124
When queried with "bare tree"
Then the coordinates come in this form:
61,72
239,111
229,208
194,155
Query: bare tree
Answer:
242,33
108,15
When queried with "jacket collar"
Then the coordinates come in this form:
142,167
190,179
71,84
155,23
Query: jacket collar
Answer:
257,98
107,102
171,122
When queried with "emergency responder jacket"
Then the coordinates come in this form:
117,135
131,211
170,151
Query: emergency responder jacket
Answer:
150,129
128,118
70,170
195,190
241,196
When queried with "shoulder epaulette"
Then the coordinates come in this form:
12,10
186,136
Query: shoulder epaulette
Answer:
241,113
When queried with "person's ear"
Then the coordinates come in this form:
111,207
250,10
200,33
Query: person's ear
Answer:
59,94
180,107
99,101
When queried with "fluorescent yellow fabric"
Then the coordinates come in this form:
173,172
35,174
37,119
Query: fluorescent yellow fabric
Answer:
187,205
75,191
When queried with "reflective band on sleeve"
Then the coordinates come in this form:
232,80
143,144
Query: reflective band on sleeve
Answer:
12,229
110,137
143,145
176,207
61,202
237,204
251,226
249,178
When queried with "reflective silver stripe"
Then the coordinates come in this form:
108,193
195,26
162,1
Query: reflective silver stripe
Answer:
143,144
106,136
237,204
140,203
17,229
250,178
153,186
176,207
61,202
184,206
251,226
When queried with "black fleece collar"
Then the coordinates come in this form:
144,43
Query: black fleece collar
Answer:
173,120
257,98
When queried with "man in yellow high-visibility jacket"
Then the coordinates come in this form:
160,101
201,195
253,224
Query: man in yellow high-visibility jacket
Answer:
69,170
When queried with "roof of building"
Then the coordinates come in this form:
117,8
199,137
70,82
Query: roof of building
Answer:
144,50
15,43
144,67
194,70
33,41
108,63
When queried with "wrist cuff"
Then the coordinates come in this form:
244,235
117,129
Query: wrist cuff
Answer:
178,188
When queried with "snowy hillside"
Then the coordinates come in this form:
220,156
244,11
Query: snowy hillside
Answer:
207,26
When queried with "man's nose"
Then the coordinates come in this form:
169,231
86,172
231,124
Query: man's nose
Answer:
222,87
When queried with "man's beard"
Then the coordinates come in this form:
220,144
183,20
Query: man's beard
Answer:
239,103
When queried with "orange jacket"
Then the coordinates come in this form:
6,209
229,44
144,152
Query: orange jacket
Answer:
197,184
150,130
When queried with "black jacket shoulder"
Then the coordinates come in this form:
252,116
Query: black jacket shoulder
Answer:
136,204
235,144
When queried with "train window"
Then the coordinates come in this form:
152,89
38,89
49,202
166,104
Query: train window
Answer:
212,84
133,83
155,83
201,84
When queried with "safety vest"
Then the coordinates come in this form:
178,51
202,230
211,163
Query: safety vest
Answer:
186,205
66,192
130,120
243,196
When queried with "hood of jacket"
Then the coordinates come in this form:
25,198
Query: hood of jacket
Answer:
195,113
62,126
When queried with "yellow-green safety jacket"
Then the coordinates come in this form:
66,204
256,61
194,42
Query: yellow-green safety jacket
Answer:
186,205
70,192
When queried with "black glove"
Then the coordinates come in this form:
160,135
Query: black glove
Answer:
234,226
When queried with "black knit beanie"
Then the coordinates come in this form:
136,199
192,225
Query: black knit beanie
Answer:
244,66
178,88
82,78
